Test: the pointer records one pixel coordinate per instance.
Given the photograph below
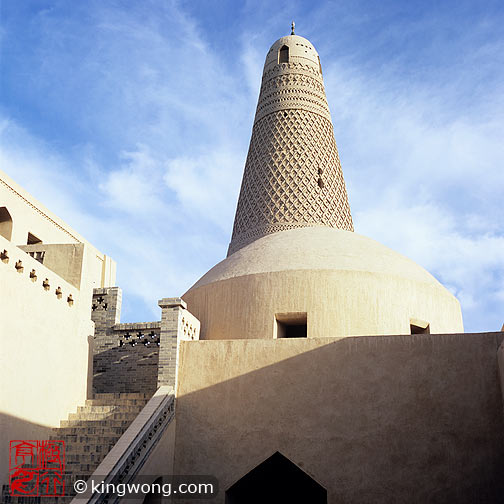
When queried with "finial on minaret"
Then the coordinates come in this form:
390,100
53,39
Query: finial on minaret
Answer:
293,25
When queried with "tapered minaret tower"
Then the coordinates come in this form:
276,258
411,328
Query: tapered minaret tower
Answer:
293,175
294,260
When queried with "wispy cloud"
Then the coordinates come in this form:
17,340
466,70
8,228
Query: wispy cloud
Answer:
426,180
133,125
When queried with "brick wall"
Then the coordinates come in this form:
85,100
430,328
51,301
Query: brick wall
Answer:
125,355
137,357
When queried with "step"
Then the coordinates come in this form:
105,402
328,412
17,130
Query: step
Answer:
109,408
75,440
90,433
84,449
123,395
93,449
117,414
96,424
116,402
91,430
86,469
85,458
100,408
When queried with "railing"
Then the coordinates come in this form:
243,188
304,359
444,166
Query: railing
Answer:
132,450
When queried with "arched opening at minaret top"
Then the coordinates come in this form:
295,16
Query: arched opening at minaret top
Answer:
283,54
276,480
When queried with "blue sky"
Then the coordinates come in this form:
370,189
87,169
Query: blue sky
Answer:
131,121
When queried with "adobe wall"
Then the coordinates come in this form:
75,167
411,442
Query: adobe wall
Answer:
373,419
45,317
31,216
44,328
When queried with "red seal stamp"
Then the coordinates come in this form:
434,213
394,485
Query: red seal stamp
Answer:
36,468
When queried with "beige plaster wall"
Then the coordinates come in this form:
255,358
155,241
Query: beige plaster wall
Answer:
373,419
45,359
30,215
64,259
45,352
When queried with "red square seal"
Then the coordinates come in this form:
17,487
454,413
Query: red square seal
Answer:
36,468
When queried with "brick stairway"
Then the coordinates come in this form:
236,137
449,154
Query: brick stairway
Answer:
89,435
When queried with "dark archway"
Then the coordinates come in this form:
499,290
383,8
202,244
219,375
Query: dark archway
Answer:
155,497
277,480
5,223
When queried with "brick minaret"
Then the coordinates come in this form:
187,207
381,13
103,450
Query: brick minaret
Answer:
293,175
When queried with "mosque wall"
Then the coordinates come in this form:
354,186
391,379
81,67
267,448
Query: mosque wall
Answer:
47,276
415,418
44,328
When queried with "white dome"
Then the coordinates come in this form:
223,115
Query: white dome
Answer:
316,248
347,285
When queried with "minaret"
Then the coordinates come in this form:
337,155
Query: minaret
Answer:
293,175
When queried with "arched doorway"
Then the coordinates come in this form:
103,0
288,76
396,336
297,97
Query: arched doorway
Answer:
154,497
277,480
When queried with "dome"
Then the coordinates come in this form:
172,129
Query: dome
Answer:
301,50
342,283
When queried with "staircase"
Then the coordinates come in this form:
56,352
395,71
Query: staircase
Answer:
89,435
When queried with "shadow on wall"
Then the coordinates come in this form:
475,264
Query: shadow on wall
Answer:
126,369
14,428
372,419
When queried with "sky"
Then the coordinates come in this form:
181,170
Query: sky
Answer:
131,121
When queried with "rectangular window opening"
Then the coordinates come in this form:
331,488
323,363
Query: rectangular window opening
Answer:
291,325
419,327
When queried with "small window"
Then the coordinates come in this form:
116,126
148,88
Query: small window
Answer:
291,325
283,55
419,327
32,239
5,223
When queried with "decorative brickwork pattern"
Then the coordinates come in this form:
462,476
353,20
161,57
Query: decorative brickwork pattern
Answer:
137,357
132,364
125,355
105,313
292,86
293,175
